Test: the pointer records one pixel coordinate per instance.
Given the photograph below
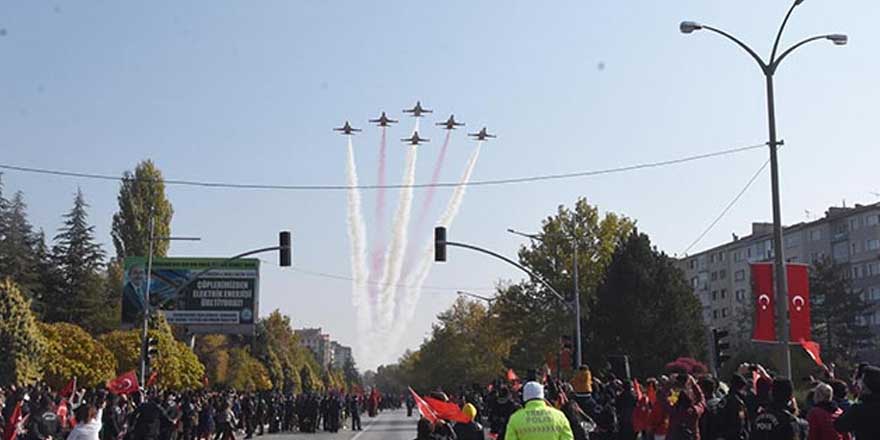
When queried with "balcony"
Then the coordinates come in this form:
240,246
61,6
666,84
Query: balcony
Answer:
837,237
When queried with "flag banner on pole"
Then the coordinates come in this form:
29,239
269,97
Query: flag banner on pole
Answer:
124,384
799,302
154,377
424,409
762,288
13,425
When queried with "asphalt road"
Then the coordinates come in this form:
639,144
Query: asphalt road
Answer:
389,425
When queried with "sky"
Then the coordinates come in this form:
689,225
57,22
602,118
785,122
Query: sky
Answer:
248,92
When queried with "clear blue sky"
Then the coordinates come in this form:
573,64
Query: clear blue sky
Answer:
248,92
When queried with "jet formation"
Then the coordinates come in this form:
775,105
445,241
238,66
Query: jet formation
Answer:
417,112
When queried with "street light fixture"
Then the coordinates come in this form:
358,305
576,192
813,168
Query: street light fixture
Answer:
768,68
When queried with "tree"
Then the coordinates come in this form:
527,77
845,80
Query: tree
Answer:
213,352
80,260
278,347
644,306
139,193
246,373
350,373
530,315
19,245
178,367
21,342
464,348
837,314
74,353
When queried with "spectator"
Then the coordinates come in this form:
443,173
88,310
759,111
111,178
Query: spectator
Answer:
685,404
88,426
777,421
863,418
823,414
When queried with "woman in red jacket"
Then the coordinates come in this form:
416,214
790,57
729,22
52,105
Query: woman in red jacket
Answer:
821,418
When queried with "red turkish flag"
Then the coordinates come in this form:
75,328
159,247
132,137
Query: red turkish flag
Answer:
68,390
762,288
124,384
424,409
447,410
799,302
154,377
13,425
813,350
511,375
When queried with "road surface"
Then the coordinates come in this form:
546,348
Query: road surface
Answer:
389,425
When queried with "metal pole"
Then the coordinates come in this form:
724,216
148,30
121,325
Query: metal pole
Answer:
147,301
780,274
579,356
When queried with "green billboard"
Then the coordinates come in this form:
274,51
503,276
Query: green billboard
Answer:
206,295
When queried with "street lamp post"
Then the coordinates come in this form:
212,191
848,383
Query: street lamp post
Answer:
146,322
769,69
579,357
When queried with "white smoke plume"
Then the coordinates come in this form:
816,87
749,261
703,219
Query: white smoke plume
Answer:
407,304
358,238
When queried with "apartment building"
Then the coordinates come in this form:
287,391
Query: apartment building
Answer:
721,277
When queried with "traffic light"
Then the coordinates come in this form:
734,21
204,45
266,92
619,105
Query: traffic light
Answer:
284,249
721,346
152,350
440,244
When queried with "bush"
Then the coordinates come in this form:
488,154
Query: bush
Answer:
22,346
686,365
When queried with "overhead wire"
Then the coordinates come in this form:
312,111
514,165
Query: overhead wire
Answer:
491,182
728,207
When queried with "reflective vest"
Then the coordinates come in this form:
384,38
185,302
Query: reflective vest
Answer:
538,421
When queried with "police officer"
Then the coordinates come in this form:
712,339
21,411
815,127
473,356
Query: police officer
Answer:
537,420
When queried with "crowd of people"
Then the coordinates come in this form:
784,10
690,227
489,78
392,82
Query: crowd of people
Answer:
751,405
40,413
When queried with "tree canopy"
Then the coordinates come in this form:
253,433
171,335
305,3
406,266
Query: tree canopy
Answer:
21,342
140,192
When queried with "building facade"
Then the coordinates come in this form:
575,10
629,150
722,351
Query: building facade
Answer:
318,342
341,355
721,277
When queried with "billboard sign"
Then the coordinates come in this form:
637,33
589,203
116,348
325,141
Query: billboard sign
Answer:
207,295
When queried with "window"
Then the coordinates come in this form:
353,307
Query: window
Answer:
872,245
840,251
740,295
792,241
714,295
873,294
695,282
714,276
723,293
749,252
740,275
724,312
815,235
856,272
854,223
712,258
737,256
872,220
721,257
872,269
714,314
692,264
722,274
854,248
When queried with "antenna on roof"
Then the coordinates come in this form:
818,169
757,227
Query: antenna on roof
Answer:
808,213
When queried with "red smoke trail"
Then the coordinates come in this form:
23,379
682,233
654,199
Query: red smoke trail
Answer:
438,166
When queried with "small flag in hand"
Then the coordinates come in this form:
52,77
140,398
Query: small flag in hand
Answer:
124,384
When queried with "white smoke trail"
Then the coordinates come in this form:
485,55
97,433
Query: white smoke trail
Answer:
397,246
407,304
358,238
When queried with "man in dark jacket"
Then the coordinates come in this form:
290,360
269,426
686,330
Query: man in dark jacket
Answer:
733,413
777,422
148,419
863,418
43,423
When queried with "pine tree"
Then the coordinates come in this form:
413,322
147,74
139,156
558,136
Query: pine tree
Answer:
19,246
80,260
836,312
21,343
645,309
141,192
